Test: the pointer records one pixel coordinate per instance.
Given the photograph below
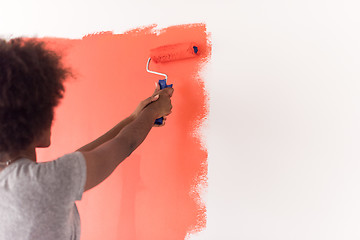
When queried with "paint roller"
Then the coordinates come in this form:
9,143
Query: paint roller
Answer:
169,53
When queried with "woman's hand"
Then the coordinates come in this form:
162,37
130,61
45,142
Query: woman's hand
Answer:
162,107
154,97
104,154
147,101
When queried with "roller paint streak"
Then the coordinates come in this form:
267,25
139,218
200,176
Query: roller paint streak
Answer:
150,195
174,52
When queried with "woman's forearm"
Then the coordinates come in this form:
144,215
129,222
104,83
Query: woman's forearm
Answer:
107,136
136,132
115,130
102,161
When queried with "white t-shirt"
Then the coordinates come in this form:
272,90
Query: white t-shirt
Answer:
37,200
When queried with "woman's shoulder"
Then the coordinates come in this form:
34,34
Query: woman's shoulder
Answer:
63,177
17,168
27,169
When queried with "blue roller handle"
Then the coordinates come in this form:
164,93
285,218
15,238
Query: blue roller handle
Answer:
162,84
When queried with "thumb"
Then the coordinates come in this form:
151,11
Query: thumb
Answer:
150,100
154,98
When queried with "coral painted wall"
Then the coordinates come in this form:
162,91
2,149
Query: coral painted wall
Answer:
152,194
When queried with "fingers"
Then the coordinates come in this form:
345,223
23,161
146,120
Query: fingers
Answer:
149,100
165,101
168,91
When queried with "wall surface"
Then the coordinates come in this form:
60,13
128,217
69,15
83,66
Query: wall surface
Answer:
153,194
282,133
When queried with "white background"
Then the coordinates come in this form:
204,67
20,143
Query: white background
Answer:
283,131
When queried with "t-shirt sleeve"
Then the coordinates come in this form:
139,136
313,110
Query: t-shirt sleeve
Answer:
64,178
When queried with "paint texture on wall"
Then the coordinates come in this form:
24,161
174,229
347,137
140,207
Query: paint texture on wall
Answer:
152,194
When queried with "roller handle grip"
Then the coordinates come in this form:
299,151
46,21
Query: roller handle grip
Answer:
162,84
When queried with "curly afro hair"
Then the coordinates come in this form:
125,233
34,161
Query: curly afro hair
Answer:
31,85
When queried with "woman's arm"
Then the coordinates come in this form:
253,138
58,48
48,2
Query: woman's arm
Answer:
102,160
118,127
107,136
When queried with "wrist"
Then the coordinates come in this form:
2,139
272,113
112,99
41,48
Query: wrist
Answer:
132,117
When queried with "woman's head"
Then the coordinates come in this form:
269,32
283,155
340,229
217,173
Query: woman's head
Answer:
31,85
